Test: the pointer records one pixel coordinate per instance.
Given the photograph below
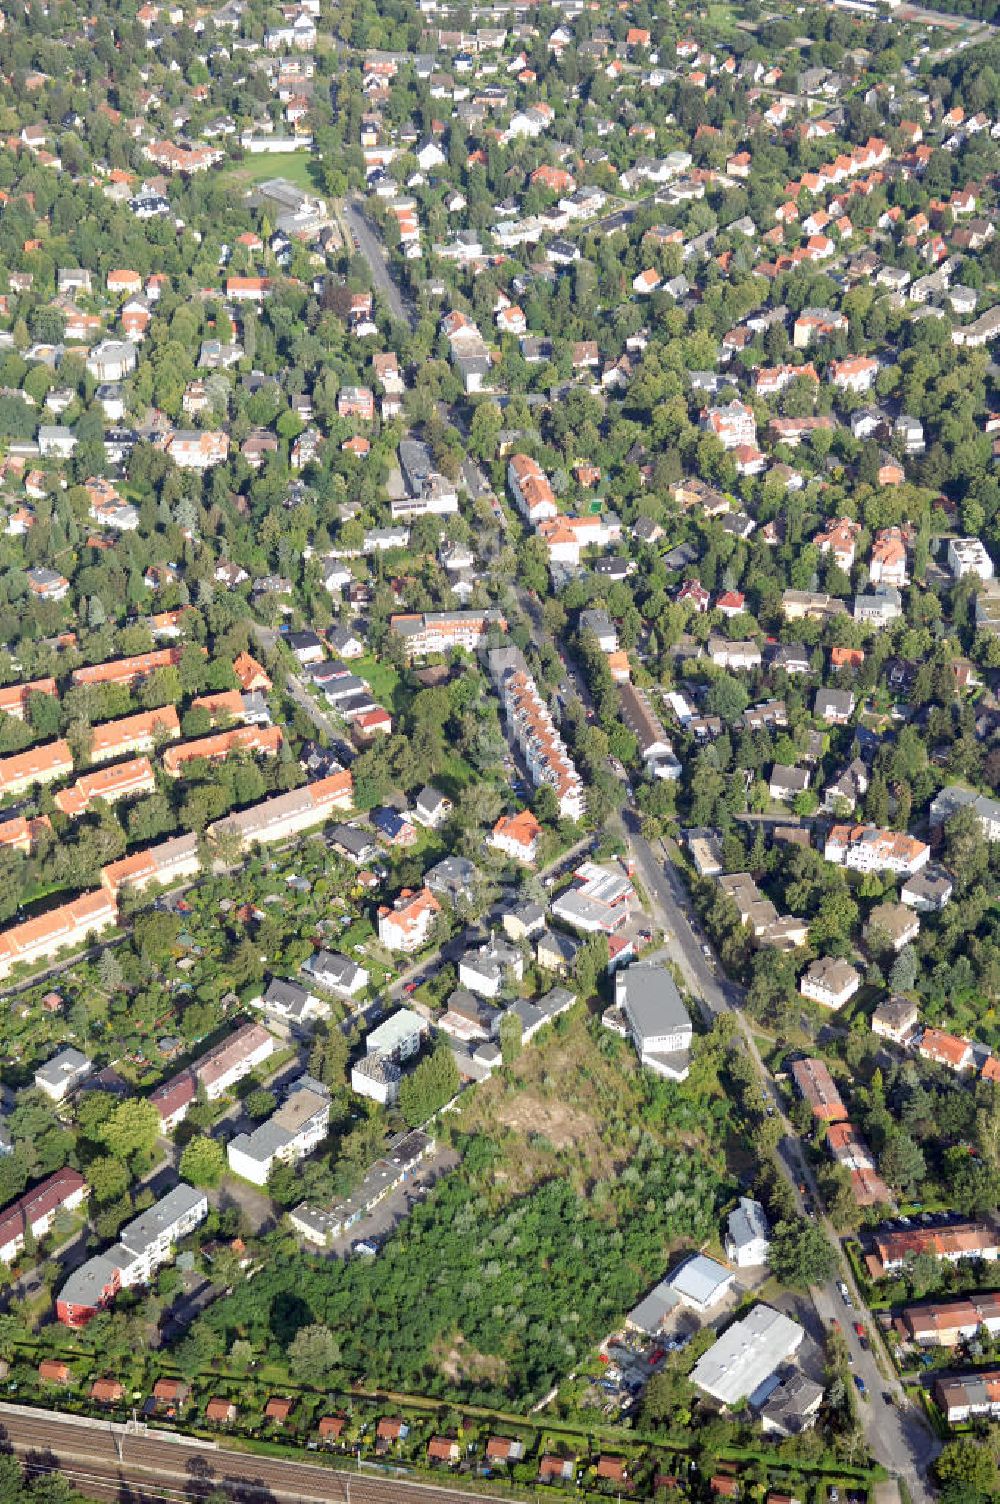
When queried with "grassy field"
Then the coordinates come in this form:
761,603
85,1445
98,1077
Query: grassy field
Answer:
299,167
383,679
569,1108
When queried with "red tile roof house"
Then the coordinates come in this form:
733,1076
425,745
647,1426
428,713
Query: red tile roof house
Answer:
816,1086
250,674
220,1412
612,1469
168,1396
331,1427
389,1430
552,1469
52,1371
247,289
443,1449
407,924
107,1391
517,836
503,1449
277,1410
946,1049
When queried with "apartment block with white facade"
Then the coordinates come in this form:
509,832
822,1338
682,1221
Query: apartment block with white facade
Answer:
866,848
532,729
293,1131
969,556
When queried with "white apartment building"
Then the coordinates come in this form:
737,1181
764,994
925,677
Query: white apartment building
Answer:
830,982
143,1245
969,556
377,1075
441,631
293,1131
866,848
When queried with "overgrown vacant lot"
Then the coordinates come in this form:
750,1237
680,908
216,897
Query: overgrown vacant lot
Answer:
577,1105
571,1198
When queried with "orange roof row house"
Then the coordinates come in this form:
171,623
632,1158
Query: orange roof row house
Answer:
169,862
266,740
134,733
123,781
70,924
37,765
227,702
15,697
22,832
128,670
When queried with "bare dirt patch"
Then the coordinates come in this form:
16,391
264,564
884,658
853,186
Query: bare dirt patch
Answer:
565,1126
461,1363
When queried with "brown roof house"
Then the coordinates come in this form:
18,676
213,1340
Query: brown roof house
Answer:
552,1469
277,1410
613,1469
168,1396
894,921
220,1412
504,1449
106,1391
443,1449
389,1430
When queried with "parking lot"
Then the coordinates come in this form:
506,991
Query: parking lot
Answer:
396,1207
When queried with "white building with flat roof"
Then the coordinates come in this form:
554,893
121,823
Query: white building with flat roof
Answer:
293,1131
747,1354
969,556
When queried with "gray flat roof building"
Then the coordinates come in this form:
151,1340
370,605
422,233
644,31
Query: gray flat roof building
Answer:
747,1354
657,1019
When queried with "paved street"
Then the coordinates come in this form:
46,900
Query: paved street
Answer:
896,1433
267,637
372,249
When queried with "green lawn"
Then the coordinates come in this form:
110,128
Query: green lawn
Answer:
382,677
455,775
298,167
